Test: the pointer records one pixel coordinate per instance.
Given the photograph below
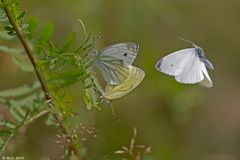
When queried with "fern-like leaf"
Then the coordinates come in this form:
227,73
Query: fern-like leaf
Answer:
19,91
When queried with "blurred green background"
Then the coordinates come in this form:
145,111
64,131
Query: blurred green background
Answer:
180,122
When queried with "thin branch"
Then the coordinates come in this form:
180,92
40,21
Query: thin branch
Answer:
40,114
132,144
6,143
49,99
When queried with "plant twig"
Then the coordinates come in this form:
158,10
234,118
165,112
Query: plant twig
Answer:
48,97
132,144
43,112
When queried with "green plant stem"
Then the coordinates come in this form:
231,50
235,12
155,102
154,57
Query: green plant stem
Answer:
49,99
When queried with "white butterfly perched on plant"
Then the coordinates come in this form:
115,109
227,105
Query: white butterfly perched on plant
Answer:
188,66
136,76
113,61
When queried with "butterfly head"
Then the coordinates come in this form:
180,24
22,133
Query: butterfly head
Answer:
95,53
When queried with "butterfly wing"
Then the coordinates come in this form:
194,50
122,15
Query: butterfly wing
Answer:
114,71
114,60
192,71
126,52
207,82
136,76
173,63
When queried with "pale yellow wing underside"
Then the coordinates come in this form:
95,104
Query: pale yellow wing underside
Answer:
136,76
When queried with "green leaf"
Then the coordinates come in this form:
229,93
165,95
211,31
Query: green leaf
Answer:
90,94
70,79
34,100
4,133
5,36
90,98
45,36
18,108
7,124
67,43
1,144
97,84
62,83
3,16
22,63
6,49
10,30
52,48
21,15
73,74
33,24
19,91
16,111
88,44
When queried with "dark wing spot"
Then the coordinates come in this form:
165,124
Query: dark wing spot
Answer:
125,55
159,63
171,65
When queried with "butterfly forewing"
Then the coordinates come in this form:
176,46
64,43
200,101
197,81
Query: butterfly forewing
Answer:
173,63
124,51
114,60
115,72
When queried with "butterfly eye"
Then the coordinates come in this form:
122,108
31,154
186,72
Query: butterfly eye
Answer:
94,53
200,52
125,55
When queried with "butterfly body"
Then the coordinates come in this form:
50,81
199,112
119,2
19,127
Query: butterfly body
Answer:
201,55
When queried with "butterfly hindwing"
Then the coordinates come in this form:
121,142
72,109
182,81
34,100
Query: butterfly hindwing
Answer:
136,76
207,82
192,71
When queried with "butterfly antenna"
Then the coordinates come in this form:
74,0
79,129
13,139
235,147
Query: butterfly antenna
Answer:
83,28
188,41
95,51
98,36
114,113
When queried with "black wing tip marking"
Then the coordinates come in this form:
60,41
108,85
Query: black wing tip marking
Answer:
133,46
158,65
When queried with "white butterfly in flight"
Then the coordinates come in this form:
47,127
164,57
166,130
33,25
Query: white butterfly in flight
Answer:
114,61
188,66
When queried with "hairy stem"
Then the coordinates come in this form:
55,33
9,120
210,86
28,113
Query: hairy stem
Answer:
71,142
